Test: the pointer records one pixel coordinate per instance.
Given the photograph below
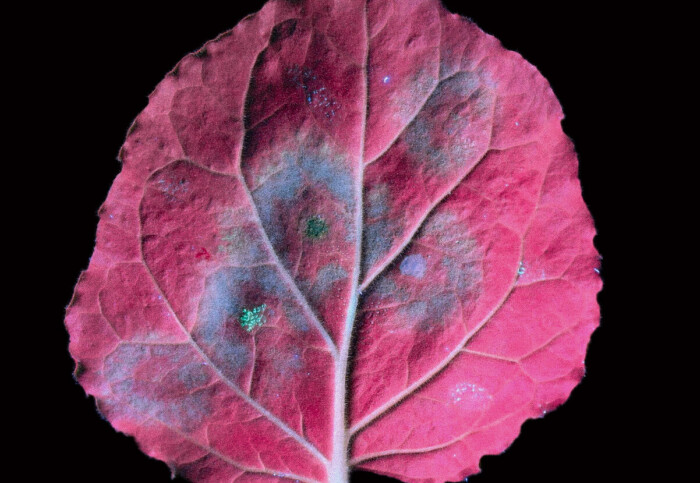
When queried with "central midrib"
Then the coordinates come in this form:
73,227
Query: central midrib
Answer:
338,471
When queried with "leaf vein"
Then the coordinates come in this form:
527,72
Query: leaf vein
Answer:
397,399
279,423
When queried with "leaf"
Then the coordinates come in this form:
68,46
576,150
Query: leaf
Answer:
325,252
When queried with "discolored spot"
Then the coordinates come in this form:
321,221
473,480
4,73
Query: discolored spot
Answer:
413,266
377,240
133,373
439,138
121,363
330,172
416,310
252,318
327,276
223,300
283,180
521,269
377,201
268,281
316,94
429,313
470,394
273,197
382,289
79,370
316,228
185,412
282,31
194,375
133,128
296,317
440,305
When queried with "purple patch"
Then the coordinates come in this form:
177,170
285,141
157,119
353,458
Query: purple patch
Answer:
413,265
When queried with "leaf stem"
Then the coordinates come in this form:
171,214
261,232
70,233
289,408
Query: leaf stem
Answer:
339,469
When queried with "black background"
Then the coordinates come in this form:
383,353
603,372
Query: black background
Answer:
103,64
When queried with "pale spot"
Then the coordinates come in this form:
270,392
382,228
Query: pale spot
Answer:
468,393
413,266
172,187
327,276
521,269
377,201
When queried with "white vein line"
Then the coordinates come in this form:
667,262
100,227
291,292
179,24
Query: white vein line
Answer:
226,459
283,271
275,262
381,454
264,119
274,419
150,343
408,239
341,435
419,109
491,356
425,101
426,377
559,278
263,180
427,449
549,342
308,311
390,258
458,348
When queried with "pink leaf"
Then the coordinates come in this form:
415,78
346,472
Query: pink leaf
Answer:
343,238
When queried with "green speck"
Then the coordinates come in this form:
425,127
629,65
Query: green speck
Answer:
251,319
316,227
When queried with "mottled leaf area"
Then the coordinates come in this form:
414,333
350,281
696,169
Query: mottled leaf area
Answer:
345,235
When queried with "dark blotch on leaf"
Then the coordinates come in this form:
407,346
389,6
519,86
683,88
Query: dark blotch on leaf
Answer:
316,227
282,31
134,126
79,370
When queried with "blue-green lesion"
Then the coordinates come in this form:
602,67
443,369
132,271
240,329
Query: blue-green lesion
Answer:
252,318
316,228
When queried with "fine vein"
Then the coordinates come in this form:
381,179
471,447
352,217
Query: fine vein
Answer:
274,419
226,459
460,346
285,274
308,311
341,436
372,275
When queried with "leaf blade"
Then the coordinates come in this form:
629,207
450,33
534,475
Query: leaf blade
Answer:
195,144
